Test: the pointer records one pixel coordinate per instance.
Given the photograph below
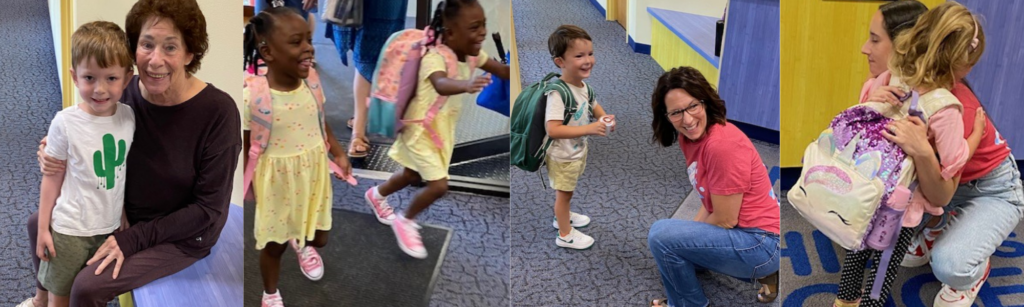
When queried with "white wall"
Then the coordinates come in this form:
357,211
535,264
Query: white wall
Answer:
498,20
639,27
221,64
55,29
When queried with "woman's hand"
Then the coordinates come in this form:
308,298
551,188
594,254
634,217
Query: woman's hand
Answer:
108,252
47,164
44,243
911,135
887,94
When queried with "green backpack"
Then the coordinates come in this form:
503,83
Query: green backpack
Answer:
529,138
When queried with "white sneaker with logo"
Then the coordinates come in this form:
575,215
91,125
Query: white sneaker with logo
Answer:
575,240
576,220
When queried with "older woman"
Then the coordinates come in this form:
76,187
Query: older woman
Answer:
180,168
736,231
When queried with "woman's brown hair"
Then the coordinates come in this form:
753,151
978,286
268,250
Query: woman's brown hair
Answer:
186,17
692,81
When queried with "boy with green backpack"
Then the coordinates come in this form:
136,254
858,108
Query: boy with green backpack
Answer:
551,122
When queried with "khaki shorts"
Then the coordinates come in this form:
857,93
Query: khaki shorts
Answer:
564,175
59,273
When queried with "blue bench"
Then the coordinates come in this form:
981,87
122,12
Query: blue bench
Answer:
213,281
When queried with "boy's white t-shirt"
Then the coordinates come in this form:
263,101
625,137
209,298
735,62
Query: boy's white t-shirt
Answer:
87,206
568,150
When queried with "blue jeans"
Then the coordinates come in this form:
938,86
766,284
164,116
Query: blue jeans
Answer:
682,247
988,210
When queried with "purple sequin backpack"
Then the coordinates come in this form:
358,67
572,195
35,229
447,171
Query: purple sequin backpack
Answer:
851,171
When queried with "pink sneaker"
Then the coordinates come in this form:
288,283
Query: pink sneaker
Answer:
381,210
273,300
309,261
408,234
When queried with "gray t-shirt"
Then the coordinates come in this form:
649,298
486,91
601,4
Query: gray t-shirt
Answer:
92,195
568,150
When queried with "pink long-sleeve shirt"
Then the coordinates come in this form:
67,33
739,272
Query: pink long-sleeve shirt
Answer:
946,133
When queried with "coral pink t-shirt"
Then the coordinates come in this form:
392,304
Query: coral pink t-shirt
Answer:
724,162
993,148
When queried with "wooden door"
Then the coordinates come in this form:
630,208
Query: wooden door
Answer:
620,12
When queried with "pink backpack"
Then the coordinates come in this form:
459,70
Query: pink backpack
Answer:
260,108
395,80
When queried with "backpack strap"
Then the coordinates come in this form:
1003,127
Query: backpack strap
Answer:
567,100
451,65
261,119
933,102
313,83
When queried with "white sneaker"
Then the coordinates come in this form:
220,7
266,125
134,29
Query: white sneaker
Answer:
272,300
576,220
920,250
575,240
28,303
949,297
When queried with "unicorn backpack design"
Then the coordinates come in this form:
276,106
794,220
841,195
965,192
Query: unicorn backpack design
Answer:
851,170
396,78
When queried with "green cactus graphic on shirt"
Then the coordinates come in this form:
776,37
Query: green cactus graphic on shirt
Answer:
104,163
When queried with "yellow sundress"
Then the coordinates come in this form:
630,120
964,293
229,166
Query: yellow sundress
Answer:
292,180
413,147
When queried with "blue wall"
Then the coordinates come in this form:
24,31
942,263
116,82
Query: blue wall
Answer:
997,79
749,75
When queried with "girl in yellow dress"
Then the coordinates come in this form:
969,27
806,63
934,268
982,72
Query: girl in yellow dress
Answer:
291,178
461,25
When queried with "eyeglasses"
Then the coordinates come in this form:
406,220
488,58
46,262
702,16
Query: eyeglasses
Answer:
693,109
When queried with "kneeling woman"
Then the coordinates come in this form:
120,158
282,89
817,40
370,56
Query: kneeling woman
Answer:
736,232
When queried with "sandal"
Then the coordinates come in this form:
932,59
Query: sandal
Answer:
765,294
659,302
358,148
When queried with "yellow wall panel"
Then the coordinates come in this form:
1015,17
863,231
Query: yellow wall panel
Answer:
822,69
670,51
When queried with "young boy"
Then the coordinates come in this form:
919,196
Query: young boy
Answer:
80,208
573,52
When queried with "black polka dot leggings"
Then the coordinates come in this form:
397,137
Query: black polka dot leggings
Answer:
854,266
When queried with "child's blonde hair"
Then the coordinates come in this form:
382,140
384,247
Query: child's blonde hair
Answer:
103,41
945,39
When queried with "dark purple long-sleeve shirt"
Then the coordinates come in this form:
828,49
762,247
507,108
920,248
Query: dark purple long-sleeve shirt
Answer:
180,171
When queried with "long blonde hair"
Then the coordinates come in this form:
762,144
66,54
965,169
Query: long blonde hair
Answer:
945,39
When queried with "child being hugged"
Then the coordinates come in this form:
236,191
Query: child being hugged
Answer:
928,59
80,207
287,163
